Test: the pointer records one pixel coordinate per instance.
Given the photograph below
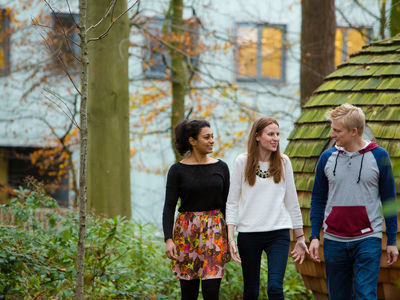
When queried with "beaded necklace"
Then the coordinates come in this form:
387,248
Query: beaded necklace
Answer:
261,173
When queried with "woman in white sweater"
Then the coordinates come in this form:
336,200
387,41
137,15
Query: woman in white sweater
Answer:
263,205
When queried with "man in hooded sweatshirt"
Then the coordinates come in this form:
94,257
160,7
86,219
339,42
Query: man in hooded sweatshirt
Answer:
352,182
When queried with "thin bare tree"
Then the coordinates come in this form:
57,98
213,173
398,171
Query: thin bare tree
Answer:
80,269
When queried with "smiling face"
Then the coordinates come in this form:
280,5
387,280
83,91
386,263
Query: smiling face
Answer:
268,139
344,137
204,142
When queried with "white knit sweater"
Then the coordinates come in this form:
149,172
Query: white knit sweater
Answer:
266,206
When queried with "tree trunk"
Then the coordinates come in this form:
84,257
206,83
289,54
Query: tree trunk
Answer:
382,20
318,28
178,74
108,112
395,17
80,270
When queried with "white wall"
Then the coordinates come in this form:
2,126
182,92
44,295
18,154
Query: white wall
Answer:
154,153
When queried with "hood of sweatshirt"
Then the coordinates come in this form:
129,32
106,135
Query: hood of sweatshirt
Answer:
368,147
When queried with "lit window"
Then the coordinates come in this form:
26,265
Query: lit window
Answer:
4,42
261,52
65,41
348,41
157,61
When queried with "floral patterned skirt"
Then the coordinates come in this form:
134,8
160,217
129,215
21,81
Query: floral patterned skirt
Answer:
202,246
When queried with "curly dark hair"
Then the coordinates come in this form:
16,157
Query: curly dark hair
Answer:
186,129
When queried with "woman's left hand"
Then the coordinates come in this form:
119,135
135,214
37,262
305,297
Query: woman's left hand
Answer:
233,251
299,251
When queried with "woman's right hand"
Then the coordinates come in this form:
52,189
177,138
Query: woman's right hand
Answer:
170,249
233,251
232,244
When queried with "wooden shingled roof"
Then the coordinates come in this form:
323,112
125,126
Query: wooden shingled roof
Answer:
370,79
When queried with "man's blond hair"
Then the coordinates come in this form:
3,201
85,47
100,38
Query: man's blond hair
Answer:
350,116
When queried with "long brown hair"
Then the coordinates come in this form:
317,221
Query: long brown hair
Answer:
275,160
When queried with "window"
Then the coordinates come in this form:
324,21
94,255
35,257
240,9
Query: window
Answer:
349,40
65,41
157,61
156,57
4,42
17,165
261,52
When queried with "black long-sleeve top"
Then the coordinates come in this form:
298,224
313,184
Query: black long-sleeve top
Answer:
200,187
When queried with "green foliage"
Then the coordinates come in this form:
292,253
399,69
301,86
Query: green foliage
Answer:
391,208
38,253
124,260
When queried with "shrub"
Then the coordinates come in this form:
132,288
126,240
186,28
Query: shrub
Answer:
123,260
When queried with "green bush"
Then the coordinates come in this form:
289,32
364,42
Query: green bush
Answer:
123,260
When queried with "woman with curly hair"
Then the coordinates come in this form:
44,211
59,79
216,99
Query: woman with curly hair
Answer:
197,243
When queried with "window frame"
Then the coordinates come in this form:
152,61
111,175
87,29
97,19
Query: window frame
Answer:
6,70
147,52
72,48
345,49
259,77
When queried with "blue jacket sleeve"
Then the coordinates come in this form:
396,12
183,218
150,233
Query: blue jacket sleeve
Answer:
387,190
319,195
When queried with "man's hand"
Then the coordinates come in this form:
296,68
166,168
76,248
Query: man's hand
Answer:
314,246
392,254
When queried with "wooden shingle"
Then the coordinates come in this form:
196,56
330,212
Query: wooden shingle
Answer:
370,79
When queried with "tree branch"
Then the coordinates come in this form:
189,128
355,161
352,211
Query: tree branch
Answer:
113,21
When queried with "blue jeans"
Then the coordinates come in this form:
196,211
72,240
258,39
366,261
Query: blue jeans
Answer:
353,265
251,245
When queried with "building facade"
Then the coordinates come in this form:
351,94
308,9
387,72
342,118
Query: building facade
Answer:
242,60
